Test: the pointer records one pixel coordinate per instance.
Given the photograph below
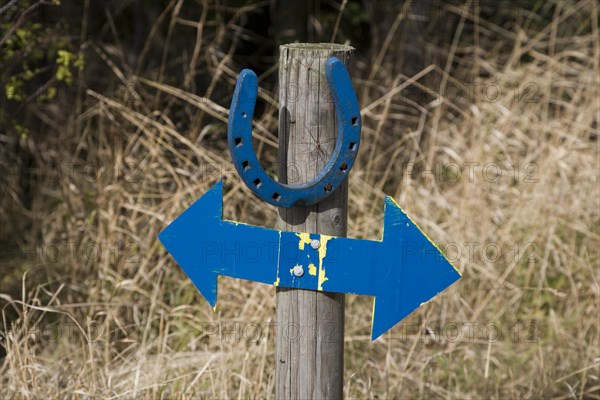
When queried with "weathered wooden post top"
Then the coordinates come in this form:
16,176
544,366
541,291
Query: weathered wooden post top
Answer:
319,138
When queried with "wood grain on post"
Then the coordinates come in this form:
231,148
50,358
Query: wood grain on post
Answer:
310,324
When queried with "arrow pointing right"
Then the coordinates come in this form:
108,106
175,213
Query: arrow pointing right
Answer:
416,275
403,271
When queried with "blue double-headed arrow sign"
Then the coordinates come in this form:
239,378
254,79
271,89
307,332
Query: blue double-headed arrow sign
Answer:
402,271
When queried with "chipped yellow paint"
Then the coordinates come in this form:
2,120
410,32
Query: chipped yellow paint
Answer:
322,279
304,239
276,283
312,270
322,253
215,308
424,234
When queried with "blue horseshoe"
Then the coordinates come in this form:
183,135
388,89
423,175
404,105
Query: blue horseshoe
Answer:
239,137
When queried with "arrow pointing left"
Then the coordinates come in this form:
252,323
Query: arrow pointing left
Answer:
205,245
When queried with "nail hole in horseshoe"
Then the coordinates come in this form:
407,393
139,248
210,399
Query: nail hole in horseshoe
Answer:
354,121
343,167
257,183
245,165
328,187
238,142
243,115
276,196
352,146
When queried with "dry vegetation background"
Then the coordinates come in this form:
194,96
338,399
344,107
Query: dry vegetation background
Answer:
483,124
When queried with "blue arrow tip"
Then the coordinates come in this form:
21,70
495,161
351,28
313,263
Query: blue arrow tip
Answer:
183,238
416,272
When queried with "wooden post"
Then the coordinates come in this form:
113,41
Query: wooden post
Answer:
310,325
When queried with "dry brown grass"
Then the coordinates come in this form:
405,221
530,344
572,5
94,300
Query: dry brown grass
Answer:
99,309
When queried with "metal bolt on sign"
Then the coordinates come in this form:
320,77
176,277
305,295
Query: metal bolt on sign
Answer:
298,271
